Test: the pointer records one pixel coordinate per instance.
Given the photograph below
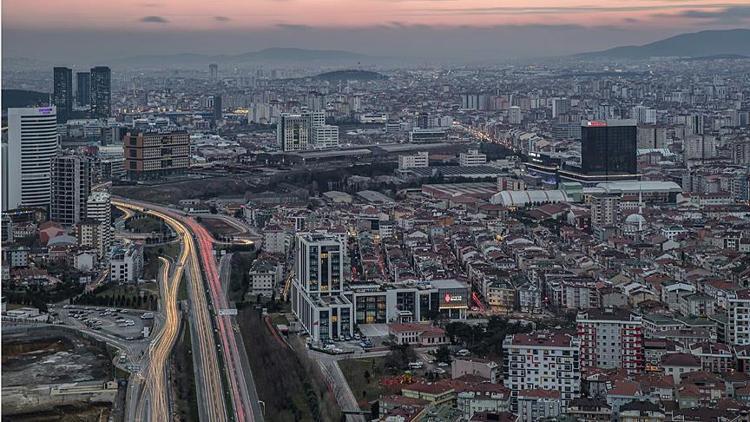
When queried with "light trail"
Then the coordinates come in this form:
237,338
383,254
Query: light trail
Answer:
209,373
233,366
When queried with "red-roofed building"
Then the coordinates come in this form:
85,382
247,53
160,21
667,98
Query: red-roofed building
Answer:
537,404
418,334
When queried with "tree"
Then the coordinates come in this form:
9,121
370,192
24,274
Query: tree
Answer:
442,354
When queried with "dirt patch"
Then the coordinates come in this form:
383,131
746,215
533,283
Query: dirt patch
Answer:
89,413
52,357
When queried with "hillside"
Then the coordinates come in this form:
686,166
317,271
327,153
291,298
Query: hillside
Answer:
697,44
351,75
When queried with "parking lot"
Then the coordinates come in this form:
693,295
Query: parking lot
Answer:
124,323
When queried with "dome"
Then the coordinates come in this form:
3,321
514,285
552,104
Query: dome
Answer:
634,222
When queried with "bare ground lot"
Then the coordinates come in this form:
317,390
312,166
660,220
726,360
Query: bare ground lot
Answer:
49,357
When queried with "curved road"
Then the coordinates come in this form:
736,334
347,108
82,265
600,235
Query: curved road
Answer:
212,404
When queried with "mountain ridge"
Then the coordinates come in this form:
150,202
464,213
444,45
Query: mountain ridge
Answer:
693,44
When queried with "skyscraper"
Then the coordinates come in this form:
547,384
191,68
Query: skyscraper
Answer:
32,144
101,92
62,95
213,71
71,186
217,108
608,147
83,88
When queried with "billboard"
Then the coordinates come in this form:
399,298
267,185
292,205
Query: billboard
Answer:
455,298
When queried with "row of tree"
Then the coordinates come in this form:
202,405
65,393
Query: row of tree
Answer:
149,301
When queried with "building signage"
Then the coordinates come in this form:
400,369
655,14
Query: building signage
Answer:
457,298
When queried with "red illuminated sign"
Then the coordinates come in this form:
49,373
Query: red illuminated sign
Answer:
596,123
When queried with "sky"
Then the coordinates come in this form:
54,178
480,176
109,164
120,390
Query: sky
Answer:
99,30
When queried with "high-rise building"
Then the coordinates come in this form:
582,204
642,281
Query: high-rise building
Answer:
423,120
213,71
62,95
32,144
83,88
542,360
71,186
317,290
101,92
151,155
605,209
738,318
99,208
292,132
560,106
514,115
611,338
652,136
325,136
217,109
608,148
643,115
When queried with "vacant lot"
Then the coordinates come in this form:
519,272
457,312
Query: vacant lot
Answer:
288,382
44,356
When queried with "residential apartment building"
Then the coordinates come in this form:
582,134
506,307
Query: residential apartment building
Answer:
542,360
71,186
738,318
611,338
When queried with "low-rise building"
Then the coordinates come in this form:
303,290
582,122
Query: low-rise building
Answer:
484,368
418,334
126,263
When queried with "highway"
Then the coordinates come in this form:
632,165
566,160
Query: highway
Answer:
211,401
244,408
243,405
163,342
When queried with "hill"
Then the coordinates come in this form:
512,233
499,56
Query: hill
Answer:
351,75
696,44
12,98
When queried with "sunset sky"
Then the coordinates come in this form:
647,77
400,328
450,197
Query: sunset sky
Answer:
34,28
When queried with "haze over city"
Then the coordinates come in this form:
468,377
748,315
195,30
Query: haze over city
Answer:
427,29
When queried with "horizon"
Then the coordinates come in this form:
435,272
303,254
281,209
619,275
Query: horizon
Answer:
422,29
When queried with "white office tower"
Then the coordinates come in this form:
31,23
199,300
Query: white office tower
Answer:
317,290
643,115
292,132
418,160
325,136
32,144
472,158
99,208
514,115
71,186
